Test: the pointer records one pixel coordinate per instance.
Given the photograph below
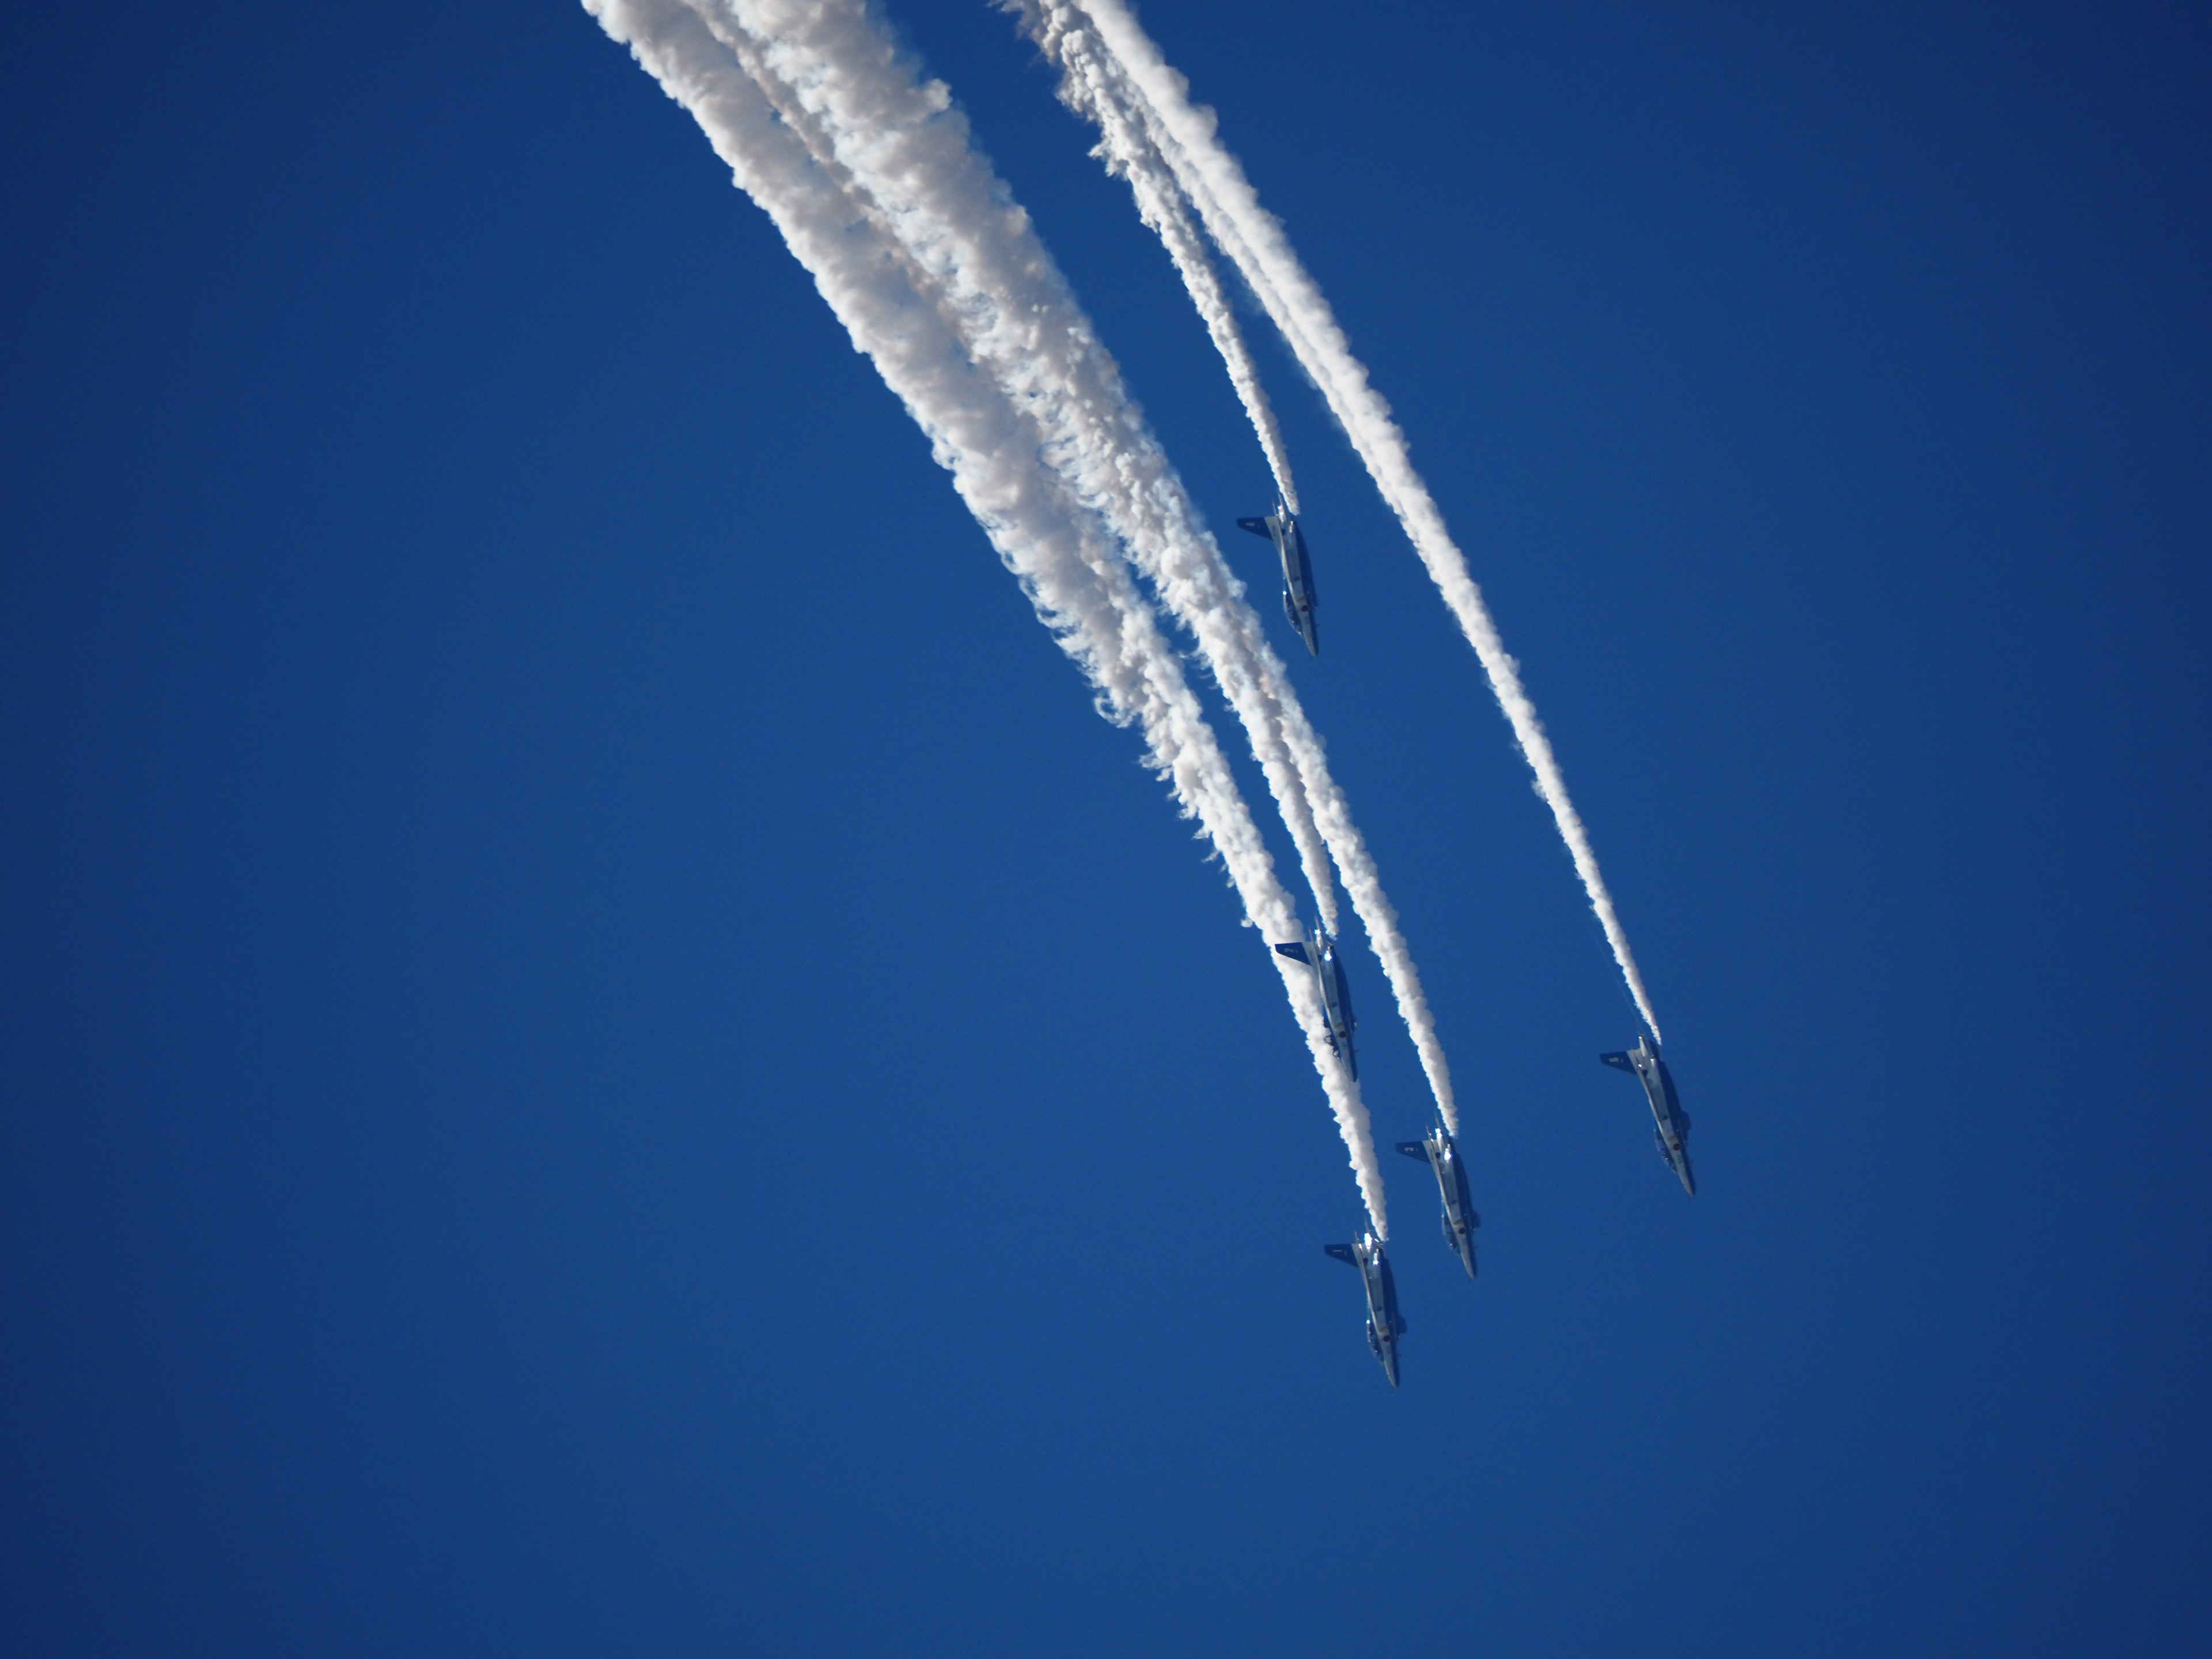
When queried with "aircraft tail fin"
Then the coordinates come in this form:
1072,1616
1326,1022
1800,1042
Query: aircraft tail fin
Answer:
1257,526
1342,1253
1296,952
1415,1149
1620,1062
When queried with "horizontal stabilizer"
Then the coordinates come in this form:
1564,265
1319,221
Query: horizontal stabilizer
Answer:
1622,1062
1415,1149
1258,528
1296,953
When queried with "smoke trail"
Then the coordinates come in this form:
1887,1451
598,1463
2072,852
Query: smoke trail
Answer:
1211,179
858,105
1056,548
990,316
1129,154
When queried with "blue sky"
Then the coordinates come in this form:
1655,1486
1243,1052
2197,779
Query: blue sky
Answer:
600,1053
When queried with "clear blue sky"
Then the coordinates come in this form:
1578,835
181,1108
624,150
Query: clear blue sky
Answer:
600,1054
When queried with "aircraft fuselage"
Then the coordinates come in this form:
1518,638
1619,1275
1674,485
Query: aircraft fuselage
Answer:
1385,1325
1442,1156
1281,527
1672,1123
1319,952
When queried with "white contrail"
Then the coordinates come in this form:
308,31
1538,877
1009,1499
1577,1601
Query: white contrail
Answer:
858,104
894,147
1214,183
1019,494
1129,154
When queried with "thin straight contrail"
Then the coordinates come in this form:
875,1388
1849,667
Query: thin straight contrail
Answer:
1157,98
861,109
1023,495
1129,154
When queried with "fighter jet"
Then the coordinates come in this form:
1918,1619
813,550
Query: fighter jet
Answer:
1384,1326
1281,527
1318,952
1673,1131
1460,1218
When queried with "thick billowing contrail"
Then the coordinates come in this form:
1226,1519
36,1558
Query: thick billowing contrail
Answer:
903,157
867,115
1156,97
1019,493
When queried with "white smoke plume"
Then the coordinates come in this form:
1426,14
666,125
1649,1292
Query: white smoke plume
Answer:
1183,136
902,155
1021,493
1129,154
868,118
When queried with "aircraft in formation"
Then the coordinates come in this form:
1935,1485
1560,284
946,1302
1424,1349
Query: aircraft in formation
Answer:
1385,1324
1318,952
1673,1132
1436,1149
1281,527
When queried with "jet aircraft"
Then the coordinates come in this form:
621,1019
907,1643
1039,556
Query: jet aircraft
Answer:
1673,1132
1281,527
1459,1219
1384,1325
1318,952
